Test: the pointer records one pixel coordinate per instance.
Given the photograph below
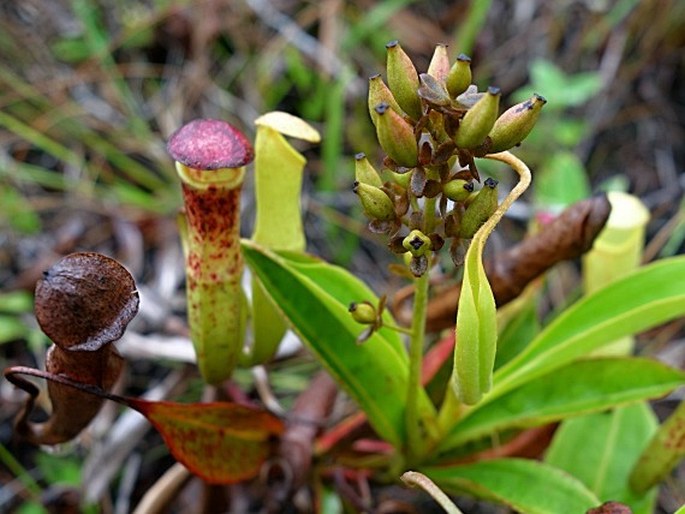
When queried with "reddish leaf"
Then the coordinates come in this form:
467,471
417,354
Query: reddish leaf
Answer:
222,443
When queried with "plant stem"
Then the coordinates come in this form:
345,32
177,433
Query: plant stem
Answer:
415,434
417,431
396,328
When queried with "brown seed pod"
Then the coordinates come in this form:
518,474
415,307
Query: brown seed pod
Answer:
85,300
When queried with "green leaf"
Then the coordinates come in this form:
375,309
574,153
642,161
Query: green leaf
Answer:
560,89
15,302
30,507
663,453
518,332
600,449
314,296
579,388
11,328
59,469
562,181
568,132
652,295
524,485
17,212
223,443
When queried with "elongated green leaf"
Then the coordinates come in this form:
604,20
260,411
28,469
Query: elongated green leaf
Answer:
650,296
524,485
340,284
600,449
518,332
579,388
314,297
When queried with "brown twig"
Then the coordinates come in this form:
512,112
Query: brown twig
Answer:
295,452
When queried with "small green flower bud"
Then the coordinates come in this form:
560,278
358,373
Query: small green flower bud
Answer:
396,137
375,202
514,125
379,93
480,209
403,80
439,66
457,190
459,76
363,312
417,243
478,120
364,171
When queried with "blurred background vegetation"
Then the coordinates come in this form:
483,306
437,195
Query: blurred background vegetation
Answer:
91,89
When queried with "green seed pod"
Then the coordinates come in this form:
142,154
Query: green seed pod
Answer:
417,243
375,202
364,171
363,312
402,179
478,212
478,120
396,137
403,80
457,190
380,93
439,66
459,76
514,125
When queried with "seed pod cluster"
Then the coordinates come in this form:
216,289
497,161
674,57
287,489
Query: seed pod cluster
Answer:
432,126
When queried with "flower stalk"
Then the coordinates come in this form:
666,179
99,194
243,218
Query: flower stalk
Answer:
431,153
